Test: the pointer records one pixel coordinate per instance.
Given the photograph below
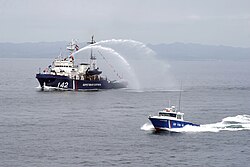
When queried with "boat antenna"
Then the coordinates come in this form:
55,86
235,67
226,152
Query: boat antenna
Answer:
180,98
60,55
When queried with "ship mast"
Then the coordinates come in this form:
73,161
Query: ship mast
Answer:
91,43
92,57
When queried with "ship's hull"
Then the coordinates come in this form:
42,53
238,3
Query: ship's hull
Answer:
168,124
66,83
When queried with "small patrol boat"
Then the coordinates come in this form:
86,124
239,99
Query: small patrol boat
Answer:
169,118
64,74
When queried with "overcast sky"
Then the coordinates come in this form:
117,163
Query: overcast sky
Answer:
215,22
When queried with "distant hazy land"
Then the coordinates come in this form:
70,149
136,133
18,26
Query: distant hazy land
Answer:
173,51
190,51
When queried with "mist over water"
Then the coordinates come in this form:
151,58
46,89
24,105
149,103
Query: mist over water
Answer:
133,61
152,73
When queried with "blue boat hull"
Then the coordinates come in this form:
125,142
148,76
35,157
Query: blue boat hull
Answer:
66,83
165,124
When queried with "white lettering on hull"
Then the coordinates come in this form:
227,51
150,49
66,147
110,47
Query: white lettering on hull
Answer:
90,84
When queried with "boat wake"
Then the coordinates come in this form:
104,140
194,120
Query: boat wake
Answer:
48,89
147,127
237,123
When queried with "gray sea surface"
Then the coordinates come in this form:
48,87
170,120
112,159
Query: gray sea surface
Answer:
111,127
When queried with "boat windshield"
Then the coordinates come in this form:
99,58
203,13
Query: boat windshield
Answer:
179,116
167,114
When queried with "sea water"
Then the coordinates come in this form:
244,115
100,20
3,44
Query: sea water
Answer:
111,127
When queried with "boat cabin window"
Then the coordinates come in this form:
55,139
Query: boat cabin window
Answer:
167,114
178,117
